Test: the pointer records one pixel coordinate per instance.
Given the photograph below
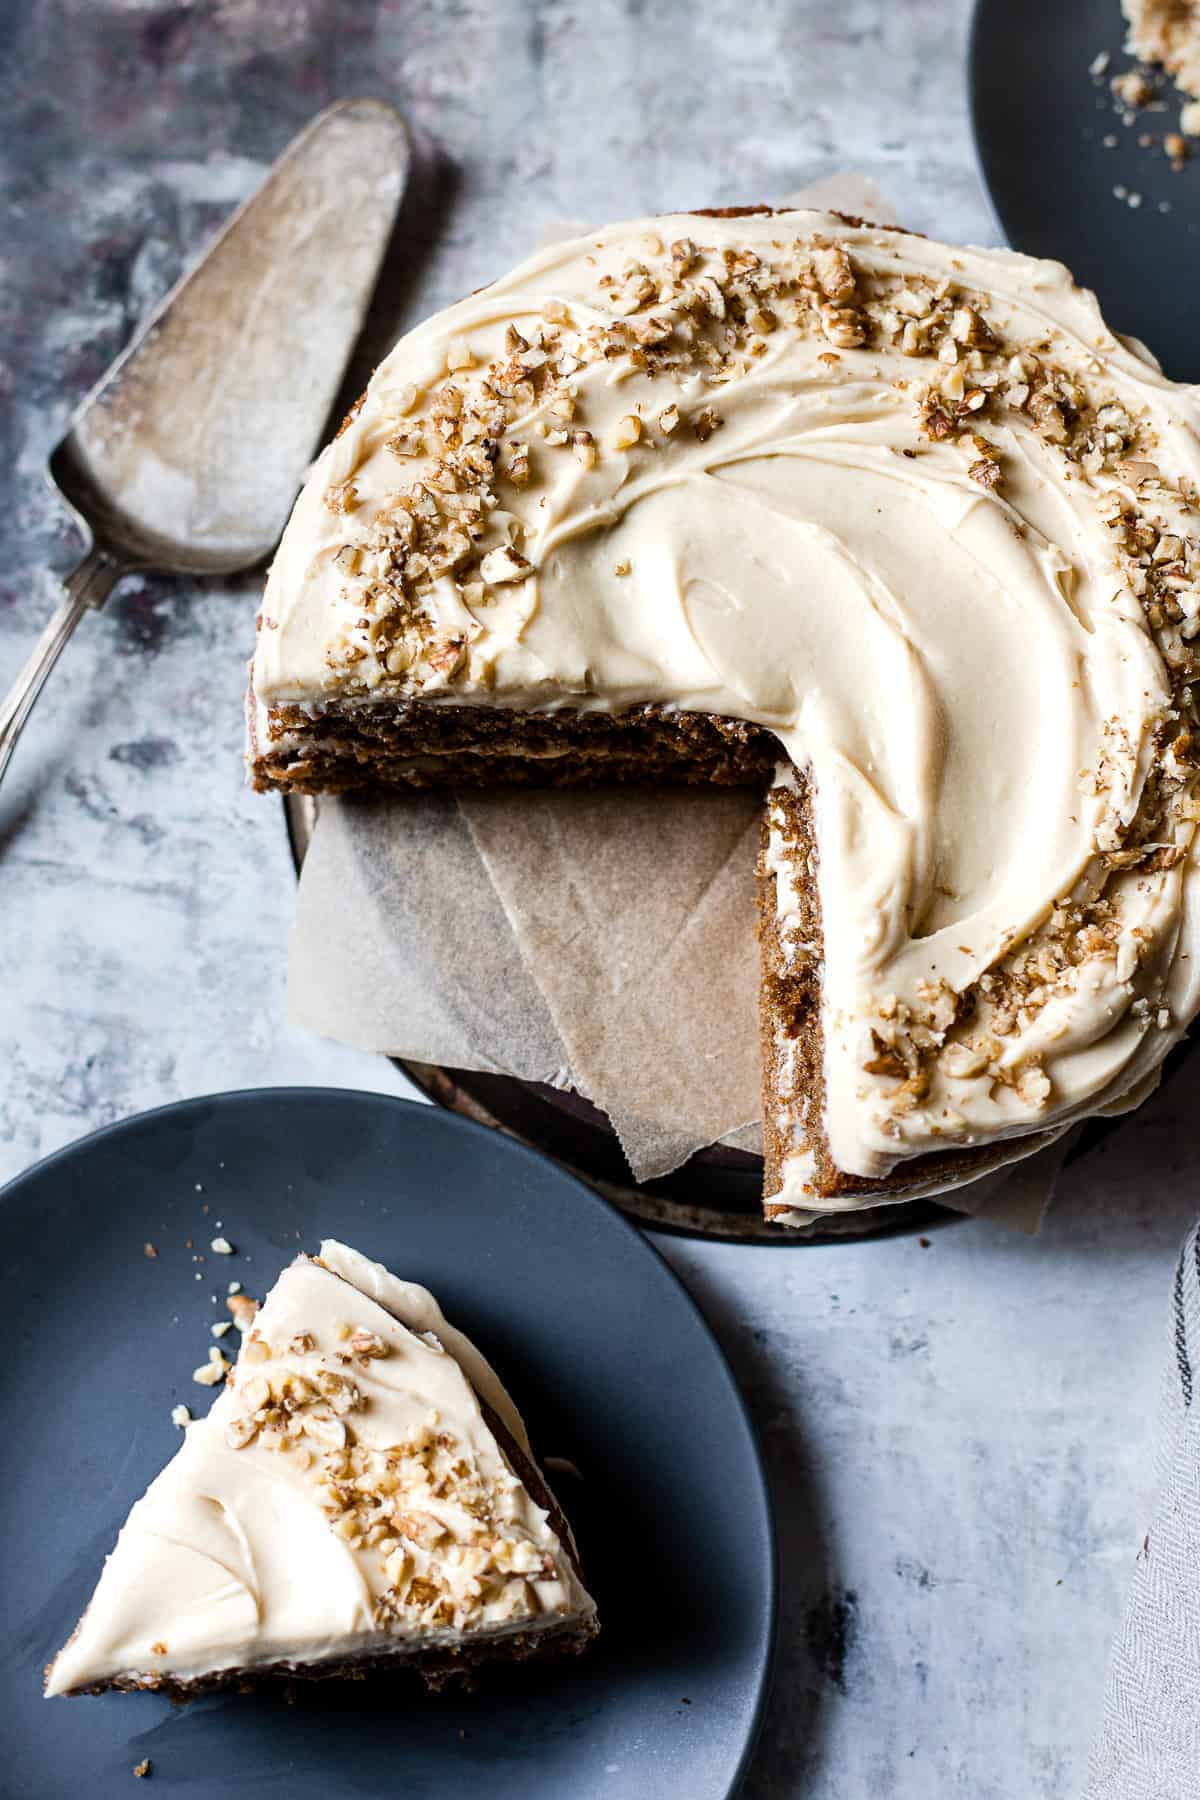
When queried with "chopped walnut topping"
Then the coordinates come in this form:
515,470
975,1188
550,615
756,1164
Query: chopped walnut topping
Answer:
1033,1084
504,564
986,471
584,446
962,1062
240,1431
214,1371
843,326
243,1309
448,1541
832,267
627,433
968,327
885,1060
343,498
517,470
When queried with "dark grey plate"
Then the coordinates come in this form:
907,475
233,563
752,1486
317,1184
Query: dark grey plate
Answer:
1040,119
612,1365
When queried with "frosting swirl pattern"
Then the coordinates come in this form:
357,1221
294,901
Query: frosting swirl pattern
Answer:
914,509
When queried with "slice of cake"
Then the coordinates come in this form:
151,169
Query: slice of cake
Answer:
900,532
361,1494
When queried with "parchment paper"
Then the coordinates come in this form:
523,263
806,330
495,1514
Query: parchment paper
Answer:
602,940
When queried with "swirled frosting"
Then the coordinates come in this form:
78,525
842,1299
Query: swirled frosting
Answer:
915,509
345,1497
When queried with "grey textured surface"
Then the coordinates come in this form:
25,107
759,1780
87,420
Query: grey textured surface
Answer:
959,1434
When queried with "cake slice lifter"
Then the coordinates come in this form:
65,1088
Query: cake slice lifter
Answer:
187,456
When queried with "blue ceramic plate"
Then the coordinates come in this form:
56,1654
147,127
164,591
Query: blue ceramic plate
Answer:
1041,121
610,1362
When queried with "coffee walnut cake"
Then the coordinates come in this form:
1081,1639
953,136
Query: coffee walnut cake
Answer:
361,1495
902,533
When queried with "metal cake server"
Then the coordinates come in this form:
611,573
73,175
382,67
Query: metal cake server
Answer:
186,458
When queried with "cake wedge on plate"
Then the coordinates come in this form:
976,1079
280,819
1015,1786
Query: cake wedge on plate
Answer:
361,1495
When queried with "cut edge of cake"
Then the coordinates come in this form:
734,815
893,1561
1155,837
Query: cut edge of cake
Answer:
799,1172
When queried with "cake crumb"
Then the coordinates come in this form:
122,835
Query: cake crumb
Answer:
235,1287
624,567
150,1251
181,1416
221,1327
221,1247
142,1769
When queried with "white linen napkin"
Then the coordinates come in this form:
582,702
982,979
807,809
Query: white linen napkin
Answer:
1148,1746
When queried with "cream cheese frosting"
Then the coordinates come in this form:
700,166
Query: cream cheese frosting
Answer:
345,1497
913,508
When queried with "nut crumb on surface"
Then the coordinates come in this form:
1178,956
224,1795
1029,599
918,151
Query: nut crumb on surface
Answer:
142,1769
149,1250
214,1371
221,1247
1132,88
181,1416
